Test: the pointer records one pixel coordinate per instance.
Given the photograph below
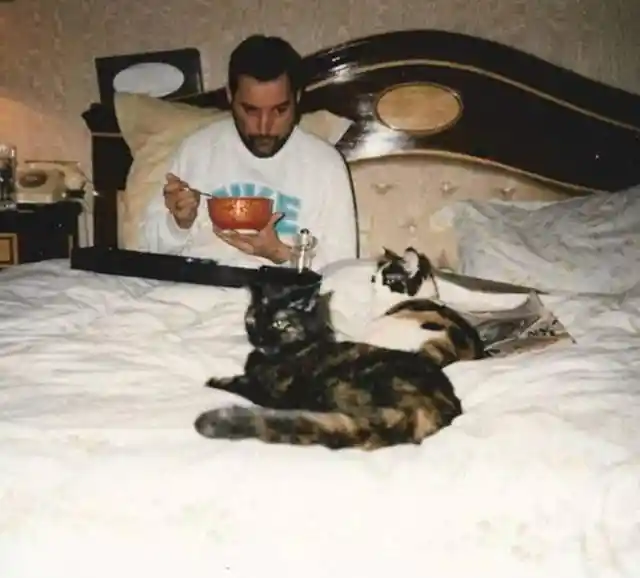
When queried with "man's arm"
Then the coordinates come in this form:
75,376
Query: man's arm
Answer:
336,223
158,230
330,216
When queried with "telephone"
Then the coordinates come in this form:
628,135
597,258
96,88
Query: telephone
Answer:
47,181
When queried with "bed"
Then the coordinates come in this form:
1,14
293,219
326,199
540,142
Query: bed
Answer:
493,162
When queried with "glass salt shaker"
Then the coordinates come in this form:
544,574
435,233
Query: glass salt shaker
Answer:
303,250
8,176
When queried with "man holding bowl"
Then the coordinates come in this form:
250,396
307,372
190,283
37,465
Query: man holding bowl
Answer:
258,152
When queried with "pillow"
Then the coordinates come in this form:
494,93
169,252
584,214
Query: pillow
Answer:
604,320
588,244
153,129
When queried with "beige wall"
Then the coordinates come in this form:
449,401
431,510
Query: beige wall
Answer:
46,65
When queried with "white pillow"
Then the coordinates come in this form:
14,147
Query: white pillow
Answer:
605,320
588,244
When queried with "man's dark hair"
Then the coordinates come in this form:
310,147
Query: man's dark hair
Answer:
264,58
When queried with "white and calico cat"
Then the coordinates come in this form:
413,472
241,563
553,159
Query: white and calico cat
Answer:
368,290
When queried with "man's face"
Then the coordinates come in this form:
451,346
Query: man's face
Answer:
264,113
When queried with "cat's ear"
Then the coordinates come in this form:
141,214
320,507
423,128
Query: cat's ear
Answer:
411,262
323,301
263,292
304,297
416,264
426,268
389,255
256,291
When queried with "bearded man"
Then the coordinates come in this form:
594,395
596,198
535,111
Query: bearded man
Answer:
259,150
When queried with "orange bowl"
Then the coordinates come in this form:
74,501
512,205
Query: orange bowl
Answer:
241,213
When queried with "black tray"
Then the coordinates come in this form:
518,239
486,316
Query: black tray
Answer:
113,261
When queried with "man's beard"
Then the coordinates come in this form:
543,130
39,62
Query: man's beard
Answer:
263,146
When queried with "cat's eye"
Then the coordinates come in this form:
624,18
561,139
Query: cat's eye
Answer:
395,277
280,324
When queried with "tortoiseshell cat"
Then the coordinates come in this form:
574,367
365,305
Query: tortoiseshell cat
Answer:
419,323
313,389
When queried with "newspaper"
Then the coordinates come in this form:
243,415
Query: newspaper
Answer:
508,332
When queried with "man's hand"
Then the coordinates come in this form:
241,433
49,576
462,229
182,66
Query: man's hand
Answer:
181,201
265,243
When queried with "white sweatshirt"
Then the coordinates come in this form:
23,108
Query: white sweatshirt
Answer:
307,179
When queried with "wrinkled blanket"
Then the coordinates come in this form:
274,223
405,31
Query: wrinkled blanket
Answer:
527,326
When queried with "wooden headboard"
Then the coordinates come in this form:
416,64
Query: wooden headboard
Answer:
423,92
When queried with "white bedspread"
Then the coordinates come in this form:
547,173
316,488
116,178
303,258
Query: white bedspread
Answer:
102,473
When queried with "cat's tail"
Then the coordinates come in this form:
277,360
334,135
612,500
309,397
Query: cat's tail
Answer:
455,340
383,427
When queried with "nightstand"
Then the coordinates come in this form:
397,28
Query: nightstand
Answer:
36,232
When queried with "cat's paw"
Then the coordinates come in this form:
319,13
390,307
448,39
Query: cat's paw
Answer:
220,382
226,422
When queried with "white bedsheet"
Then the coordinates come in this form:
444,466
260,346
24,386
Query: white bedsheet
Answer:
102,473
